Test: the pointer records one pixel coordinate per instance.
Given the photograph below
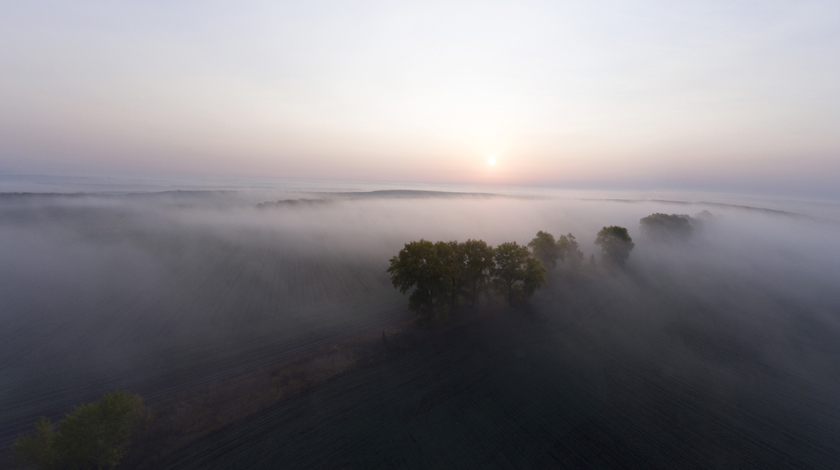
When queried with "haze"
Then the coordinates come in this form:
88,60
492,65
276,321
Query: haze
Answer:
212,207
721,96
158,292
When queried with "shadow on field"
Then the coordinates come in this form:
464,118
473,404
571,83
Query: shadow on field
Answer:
587,378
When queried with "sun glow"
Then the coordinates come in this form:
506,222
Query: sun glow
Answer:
492,161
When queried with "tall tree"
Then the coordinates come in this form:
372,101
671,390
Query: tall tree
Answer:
478,264
568,248
517,273
533,277
615,243
545,249
418,266
452,263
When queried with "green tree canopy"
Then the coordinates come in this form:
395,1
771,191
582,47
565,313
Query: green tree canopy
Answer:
568,248
38,450
441,275
666,228
452,264
478,264
93,436
533,277
615,243
418,266
546,250
517,273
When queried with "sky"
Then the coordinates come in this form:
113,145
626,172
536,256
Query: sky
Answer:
739,96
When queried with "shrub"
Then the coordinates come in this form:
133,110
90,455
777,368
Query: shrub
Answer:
93,436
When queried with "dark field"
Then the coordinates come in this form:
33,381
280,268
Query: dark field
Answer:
585,380
98,295
720,352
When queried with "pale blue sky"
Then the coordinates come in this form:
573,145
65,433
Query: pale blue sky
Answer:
716,95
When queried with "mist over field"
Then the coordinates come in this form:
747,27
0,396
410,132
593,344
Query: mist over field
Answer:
416,235
156,291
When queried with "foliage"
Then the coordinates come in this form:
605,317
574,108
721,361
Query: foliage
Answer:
568,248
509,260
517,273
452,264
546,249
37,450
442,275
533,277
93,436
478,264
615,243
663,227
418,266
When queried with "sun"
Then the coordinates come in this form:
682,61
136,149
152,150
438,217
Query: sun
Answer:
492,161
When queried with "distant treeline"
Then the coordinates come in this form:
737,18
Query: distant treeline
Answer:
293,203
660,227
443,276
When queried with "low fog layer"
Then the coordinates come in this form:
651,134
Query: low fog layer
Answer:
151,292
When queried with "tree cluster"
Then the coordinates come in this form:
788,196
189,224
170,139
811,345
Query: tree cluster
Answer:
548,250
96,435
444,275
665,228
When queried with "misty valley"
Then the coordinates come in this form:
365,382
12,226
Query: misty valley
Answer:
322,329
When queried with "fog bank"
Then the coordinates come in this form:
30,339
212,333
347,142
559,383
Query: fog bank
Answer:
153,291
